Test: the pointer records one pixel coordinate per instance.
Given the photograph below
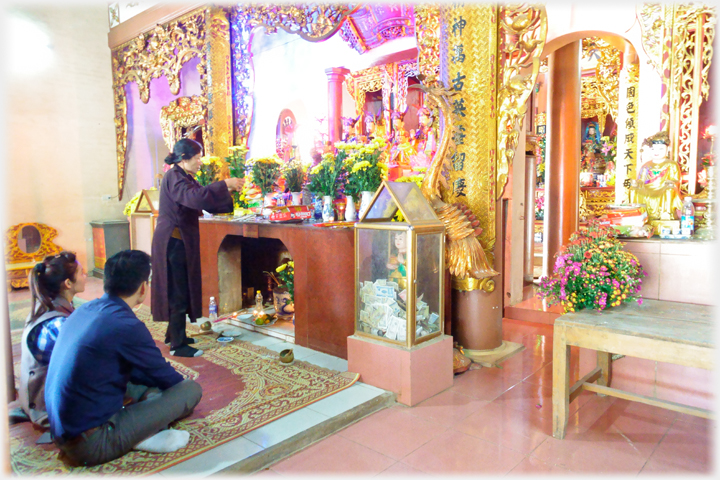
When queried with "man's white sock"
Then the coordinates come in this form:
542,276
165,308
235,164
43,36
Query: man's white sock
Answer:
165,441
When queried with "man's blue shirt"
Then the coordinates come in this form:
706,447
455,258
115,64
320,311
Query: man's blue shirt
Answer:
101,347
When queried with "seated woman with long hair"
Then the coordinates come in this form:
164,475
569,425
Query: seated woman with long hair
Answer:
53,284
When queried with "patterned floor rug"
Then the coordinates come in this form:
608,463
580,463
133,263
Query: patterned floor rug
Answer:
244,387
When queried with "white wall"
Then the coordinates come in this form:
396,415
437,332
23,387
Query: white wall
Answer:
59,134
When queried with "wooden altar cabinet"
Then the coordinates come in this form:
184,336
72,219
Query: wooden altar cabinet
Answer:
324,276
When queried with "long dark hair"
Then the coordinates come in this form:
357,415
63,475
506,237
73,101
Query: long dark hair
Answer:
184,149
46,280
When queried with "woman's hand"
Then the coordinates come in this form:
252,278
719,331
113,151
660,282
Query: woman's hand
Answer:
234,184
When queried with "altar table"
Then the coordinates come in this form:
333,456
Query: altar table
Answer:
324,276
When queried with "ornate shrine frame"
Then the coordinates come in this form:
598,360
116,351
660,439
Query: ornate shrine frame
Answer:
161,52
600,91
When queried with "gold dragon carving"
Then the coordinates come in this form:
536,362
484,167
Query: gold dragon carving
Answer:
464,255
521,38
160,52
313,22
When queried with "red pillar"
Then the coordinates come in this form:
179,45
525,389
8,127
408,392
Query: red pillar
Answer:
336,76
562,176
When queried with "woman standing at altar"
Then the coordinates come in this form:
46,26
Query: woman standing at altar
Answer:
177,284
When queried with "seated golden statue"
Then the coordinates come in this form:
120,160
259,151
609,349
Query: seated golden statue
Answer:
658,181
399,142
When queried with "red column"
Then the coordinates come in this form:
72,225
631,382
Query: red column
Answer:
562,176
336,76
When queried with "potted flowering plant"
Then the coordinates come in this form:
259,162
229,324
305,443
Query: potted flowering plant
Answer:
294,175
209,170
284,294
593,271
265,172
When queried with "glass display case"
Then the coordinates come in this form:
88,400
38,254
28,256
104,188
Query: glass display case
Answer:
399,267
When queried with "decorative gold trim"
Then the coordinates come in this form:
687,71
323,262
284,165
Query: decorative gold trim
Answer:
367,80
13,254
469,284
427,36
693,34
219,80
155,54
600,92
312,22
521,35
183,112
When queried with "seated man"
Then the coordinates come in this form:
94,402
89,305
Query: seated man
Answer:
103,355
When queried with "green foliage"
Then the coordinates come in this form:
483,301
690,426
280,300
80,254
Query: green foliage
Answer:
265,172
294,176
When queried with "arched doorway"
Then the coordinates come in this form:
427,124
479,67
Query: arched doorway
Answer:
584,141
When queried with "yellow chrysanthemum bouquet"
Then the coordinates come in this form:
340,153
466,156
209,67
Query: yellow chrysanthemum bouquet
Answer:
366,170
237,169
286,277
265,172
326,177
209,170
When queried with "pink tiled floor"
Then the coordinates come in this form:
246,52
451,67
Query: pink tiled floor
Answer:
499,421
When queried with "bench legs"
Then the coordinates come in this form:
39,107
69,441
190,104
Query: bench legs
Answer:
561,382
604,363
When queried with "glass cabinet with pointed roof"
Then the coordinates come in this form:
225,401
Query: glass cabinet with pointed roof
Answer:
399,267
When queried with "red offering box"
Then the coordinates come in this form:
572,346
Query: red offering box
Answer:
290,213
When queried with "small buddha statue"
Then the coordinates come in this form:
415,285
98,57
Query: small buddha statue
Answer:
658,181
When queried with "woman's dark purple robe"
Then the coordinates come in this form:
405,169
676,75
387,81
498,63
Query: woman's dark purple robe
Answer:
181,200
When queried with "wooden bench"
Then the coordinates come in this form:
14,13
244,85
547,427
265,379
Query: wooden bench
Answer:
677,333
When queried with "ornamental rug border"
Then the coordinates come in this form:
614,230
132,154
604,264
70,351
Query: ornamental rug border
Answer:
270,391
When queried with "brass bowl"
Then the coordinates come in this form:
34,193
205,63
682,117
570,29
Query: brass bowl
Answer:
205,326
287,356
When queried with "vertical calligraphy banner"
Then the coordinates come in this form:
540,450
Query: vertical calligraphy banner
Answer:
468,65
626,159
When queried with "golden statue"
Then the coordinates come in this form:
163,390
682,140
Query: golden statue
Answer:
399,142
658,181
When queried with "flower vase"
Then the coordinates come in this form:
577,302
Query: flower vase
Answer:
328,212
350,214
296,197
284,307
366,196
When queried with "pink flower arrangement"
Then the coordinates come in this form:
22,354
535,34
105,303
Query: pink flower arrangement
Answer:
593,271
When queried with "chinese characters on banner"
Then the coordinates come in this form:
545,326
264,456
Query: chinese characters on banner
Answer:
626,159
457,58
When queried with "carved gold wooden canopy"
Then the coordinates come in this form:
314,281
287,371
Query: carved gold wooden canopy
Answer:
183,114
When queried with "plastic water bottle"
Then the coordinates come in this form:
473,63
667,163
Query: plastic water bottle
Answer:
258,302
687,221
213,309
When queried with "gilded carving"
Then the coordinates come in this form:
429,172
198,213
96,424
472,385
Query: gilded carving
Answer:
183,113
313,22
522,31
161,52
650,17
693,33
427,35
367,80
600,92
219,81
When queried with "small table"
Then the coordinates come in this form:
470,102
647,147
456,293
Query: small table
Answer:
672,332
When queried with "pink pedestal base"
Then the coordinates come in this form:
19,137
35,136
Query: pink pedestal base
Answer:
412,374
